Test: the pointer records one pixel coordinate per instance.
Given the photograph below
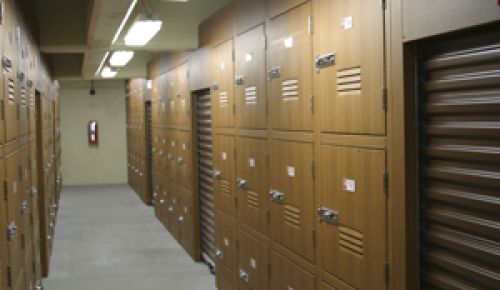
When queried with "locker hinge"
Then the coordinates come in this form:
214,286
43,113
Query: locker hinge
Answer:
234,154
384,99
23,242
5,190
312,104
264,38
314,237
237,244
269,268
268,160
386,273
386,182
234,109
267,108
384,4
9,276
313,169
268,216
233,55
236,202
2,110
310,25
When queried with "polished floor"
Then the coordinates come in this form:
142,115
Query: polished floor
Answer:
106,239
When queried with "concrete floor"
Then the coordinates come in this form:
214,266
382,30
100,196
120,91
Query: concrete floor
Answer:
107,239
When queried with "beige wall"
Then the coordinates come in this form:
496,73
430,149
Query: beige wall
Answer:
87,165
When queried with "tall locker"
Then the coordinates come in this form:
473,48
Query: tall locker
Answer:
289,70
183,95
223,105
9,69
4,254
224,149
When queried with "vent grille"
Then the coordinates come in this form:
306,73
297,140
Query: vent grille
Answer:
292,216
251,95
223,99
11,91
351,240
23,96
253,199
290,90
349,81
225,187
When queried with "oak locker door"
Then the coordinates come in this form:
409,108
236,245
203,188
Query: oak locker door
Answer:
349,77
223,85
23,107
184,161
225,279
253,263
224,173
286,275
252,183
250,79
171,97
186,221
24,225
3,224
163,107
292,196
172,155
173,211
351,208
226,232
277,7
290,70
183,95
10,107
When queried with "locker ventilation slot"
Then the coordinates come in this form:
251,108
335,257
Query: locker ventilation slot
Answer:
23,96
223,99
251,95
253,199
292,215
226,187
11,91
290,90
351,240
349,81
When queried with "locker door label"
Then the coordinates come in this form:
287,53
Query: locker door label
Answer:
224,156
183,103
291,171
346,23
251,162
226,242
14,187
349,185
253,263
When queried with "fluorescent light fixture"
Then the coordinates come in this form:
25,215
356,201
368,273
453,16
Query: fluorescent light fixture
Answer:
108,73
142,31
149,84
120,58
103,60
124,21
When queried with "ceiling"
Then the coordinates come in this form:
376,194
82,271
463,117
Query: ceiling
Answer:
75,35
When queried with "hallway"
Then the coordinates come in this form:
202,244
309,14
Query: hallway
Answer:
107,239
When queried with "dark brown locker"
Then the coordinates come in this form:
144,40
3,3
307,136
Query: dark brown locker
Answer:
250,80
253,263
251,181
352,214
23,106
172,154
349,80
173,209
170,99
224,173
186,221
286,275
290,70
225,279
337,285
459,164
4,254
11,112
205,177
292,196
223,105
226,234
184,160
183,95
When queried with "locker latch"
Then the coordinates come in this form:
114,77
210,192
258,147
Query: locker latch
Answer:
11,231
244,276
6,64
162,201
239,80
219,254
215,86
29,83
325,60
20,76
34,191
328,215
180,160
274,72
181,219
217,173
276,196
24,208
241,183
170,209
170,156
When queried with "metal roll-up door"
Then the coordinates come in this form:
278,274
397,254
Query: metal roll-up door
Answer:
149,142
459,115
205,177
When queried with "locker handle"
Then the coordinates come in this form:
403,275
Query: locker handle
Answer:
34,190
239,80
11,231
219,254
276,196
274,72
162,201
6,64
217,174
215,86
241,183
181,219
244,276
170,156
24,208
326,60
180,160
171,209
328,215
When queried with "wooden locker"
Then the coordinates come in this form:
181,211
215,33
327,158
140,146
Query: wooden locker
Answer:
172,154
4,254
173,212
186,221
170,80
253,263
226,235
225,279
286,275
183,95
292,196
23,107
11,109
250,79
349,77
252,183
223,105
224,173
25,210
277,7
330,283
351,208
160,201
184,160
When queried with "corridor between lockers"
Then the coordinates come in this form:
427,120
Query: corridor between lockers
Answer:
107,239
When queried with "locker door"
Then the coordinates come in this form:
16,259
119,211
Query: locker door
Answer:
290,70
250,91
10,107
186,221
253,263
171,97
3,224
23,107
35,226
292,196
226,231
351,208
183,95
24,225
252,183
184,161
172,155
224,179
286,275
349,78
222,88
173,212
225,279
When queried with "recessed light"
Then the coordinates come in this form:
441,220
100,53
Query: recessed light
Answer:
108,73
142,31
120,58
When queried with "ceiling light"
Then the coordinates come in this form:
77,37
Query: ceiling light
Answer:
108,73
142,31
124,21
120,58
